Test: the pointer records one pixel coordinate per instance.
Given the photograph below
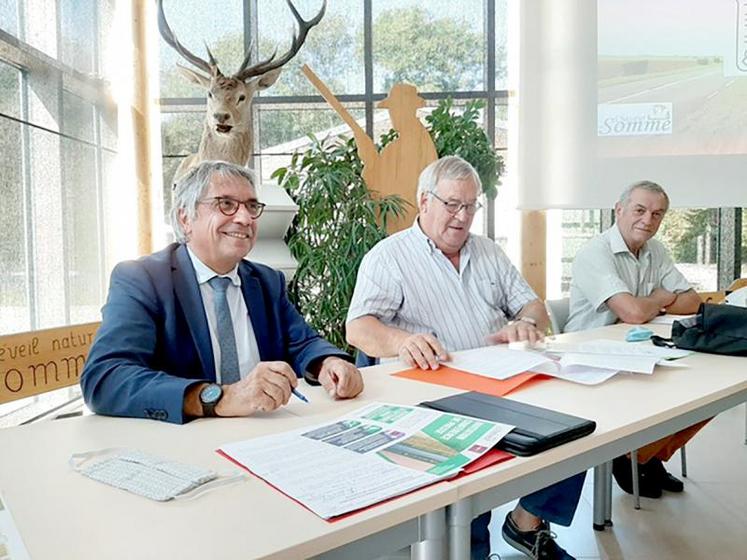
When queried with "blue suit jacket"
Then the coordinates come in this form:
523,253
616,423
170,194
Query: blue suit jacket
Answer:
154,341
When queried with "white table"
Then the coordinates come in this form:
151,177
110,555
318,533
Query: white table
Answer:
62,514
630,411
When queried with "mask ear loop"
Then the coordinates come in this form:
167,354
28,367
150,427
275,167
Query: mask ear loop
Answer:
223,480
77,460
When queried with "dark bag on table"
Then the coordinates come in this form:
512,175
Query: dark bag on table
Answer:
716,329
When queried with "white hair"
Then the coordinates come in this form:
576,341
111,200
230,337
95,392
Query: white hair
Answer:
450,168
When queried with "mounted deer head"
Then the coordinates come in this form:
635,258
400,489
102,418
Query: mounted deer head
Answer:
227,133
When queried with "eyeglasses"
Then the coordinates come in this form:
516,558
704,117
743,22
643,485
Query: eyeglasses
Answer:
229,206
455,206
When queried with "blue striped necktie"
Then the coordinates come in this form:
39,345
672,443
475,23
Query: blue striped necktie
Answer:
229,358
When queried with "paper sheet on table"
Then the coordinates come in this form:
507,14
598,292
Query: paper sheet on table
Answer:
668,319
585,375
499,362
617,362
372,454
11,545
618,348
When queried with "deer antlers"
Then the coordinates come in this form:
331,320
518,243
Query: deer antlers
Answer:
245,71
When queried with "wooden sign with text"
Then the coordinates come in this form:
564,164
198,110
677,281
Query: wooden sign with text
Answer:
35,362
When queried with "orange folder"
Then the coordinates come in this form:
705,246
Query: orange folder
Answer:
450,377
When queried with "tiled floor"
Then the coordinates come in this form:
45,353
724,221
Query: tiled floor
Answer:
707,521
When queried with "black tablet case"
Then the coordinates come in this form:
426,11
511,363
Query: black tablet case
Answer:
537,428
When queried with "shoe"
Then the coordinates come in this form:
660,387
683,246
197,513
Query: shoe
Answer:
648,485
666,480
539,544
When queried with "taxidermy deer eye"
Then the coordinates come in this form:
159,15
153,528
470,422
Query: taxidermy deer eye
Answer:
242,97
210,94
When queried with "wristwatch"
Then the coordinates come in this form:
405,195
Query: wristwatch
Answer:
210,396
526,319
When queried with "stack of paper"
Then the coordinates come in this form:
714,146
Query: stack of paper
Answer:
374,453
589,362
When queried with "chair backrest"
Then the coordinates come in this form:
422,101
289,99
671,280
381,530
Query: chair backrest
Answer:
34,362
738,283
364,360
558,310
712,297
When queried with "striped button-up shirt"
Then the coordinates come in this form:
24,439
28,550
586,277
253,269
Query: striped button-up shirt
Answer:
406,282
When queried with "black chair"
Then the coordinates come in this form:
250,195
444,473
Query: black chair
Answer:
364,360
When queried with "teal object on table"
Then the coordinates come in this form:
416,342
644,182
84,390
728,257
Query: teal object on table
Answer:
637,334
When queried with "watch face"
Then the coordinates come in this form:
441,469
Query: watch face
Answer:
211,393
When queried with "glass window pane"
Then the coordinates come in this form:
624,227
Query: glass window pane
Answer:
691,235
10,91
77,118
107,49
501,44
9,16
77,33
284,130
180,136
577,228
197,23
501,124
82,230
437,46
14,304
109,128
333,49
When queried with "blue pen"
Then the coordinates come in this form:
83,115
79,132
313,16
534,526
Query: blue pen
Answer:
299,395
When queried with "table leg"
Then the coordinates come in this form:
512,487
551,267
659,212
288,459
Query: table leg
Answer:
634,471
432,531
459,520
600,494
608,494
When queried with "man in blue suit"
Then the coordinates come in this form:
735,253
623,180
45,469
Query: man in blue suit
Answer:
195,330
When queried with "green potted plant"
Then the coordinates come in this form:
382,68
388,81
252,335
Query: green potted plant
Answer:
339,220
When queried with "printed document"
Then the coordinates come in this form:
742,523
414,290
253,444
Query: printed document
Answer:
11,545
589,362
372,454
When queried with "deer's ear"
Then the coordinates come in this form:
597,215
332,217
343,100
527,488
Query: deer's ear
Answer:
194,77
268,78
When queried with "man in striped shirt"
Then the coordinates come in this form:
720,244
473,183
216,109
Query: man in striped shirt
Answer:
434,289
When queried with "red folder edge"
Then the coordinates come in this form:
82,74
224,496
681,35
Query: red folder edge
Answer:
458,379
492,457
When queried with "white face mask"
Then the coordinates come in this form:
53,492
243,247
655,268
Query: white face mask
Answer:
147,475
